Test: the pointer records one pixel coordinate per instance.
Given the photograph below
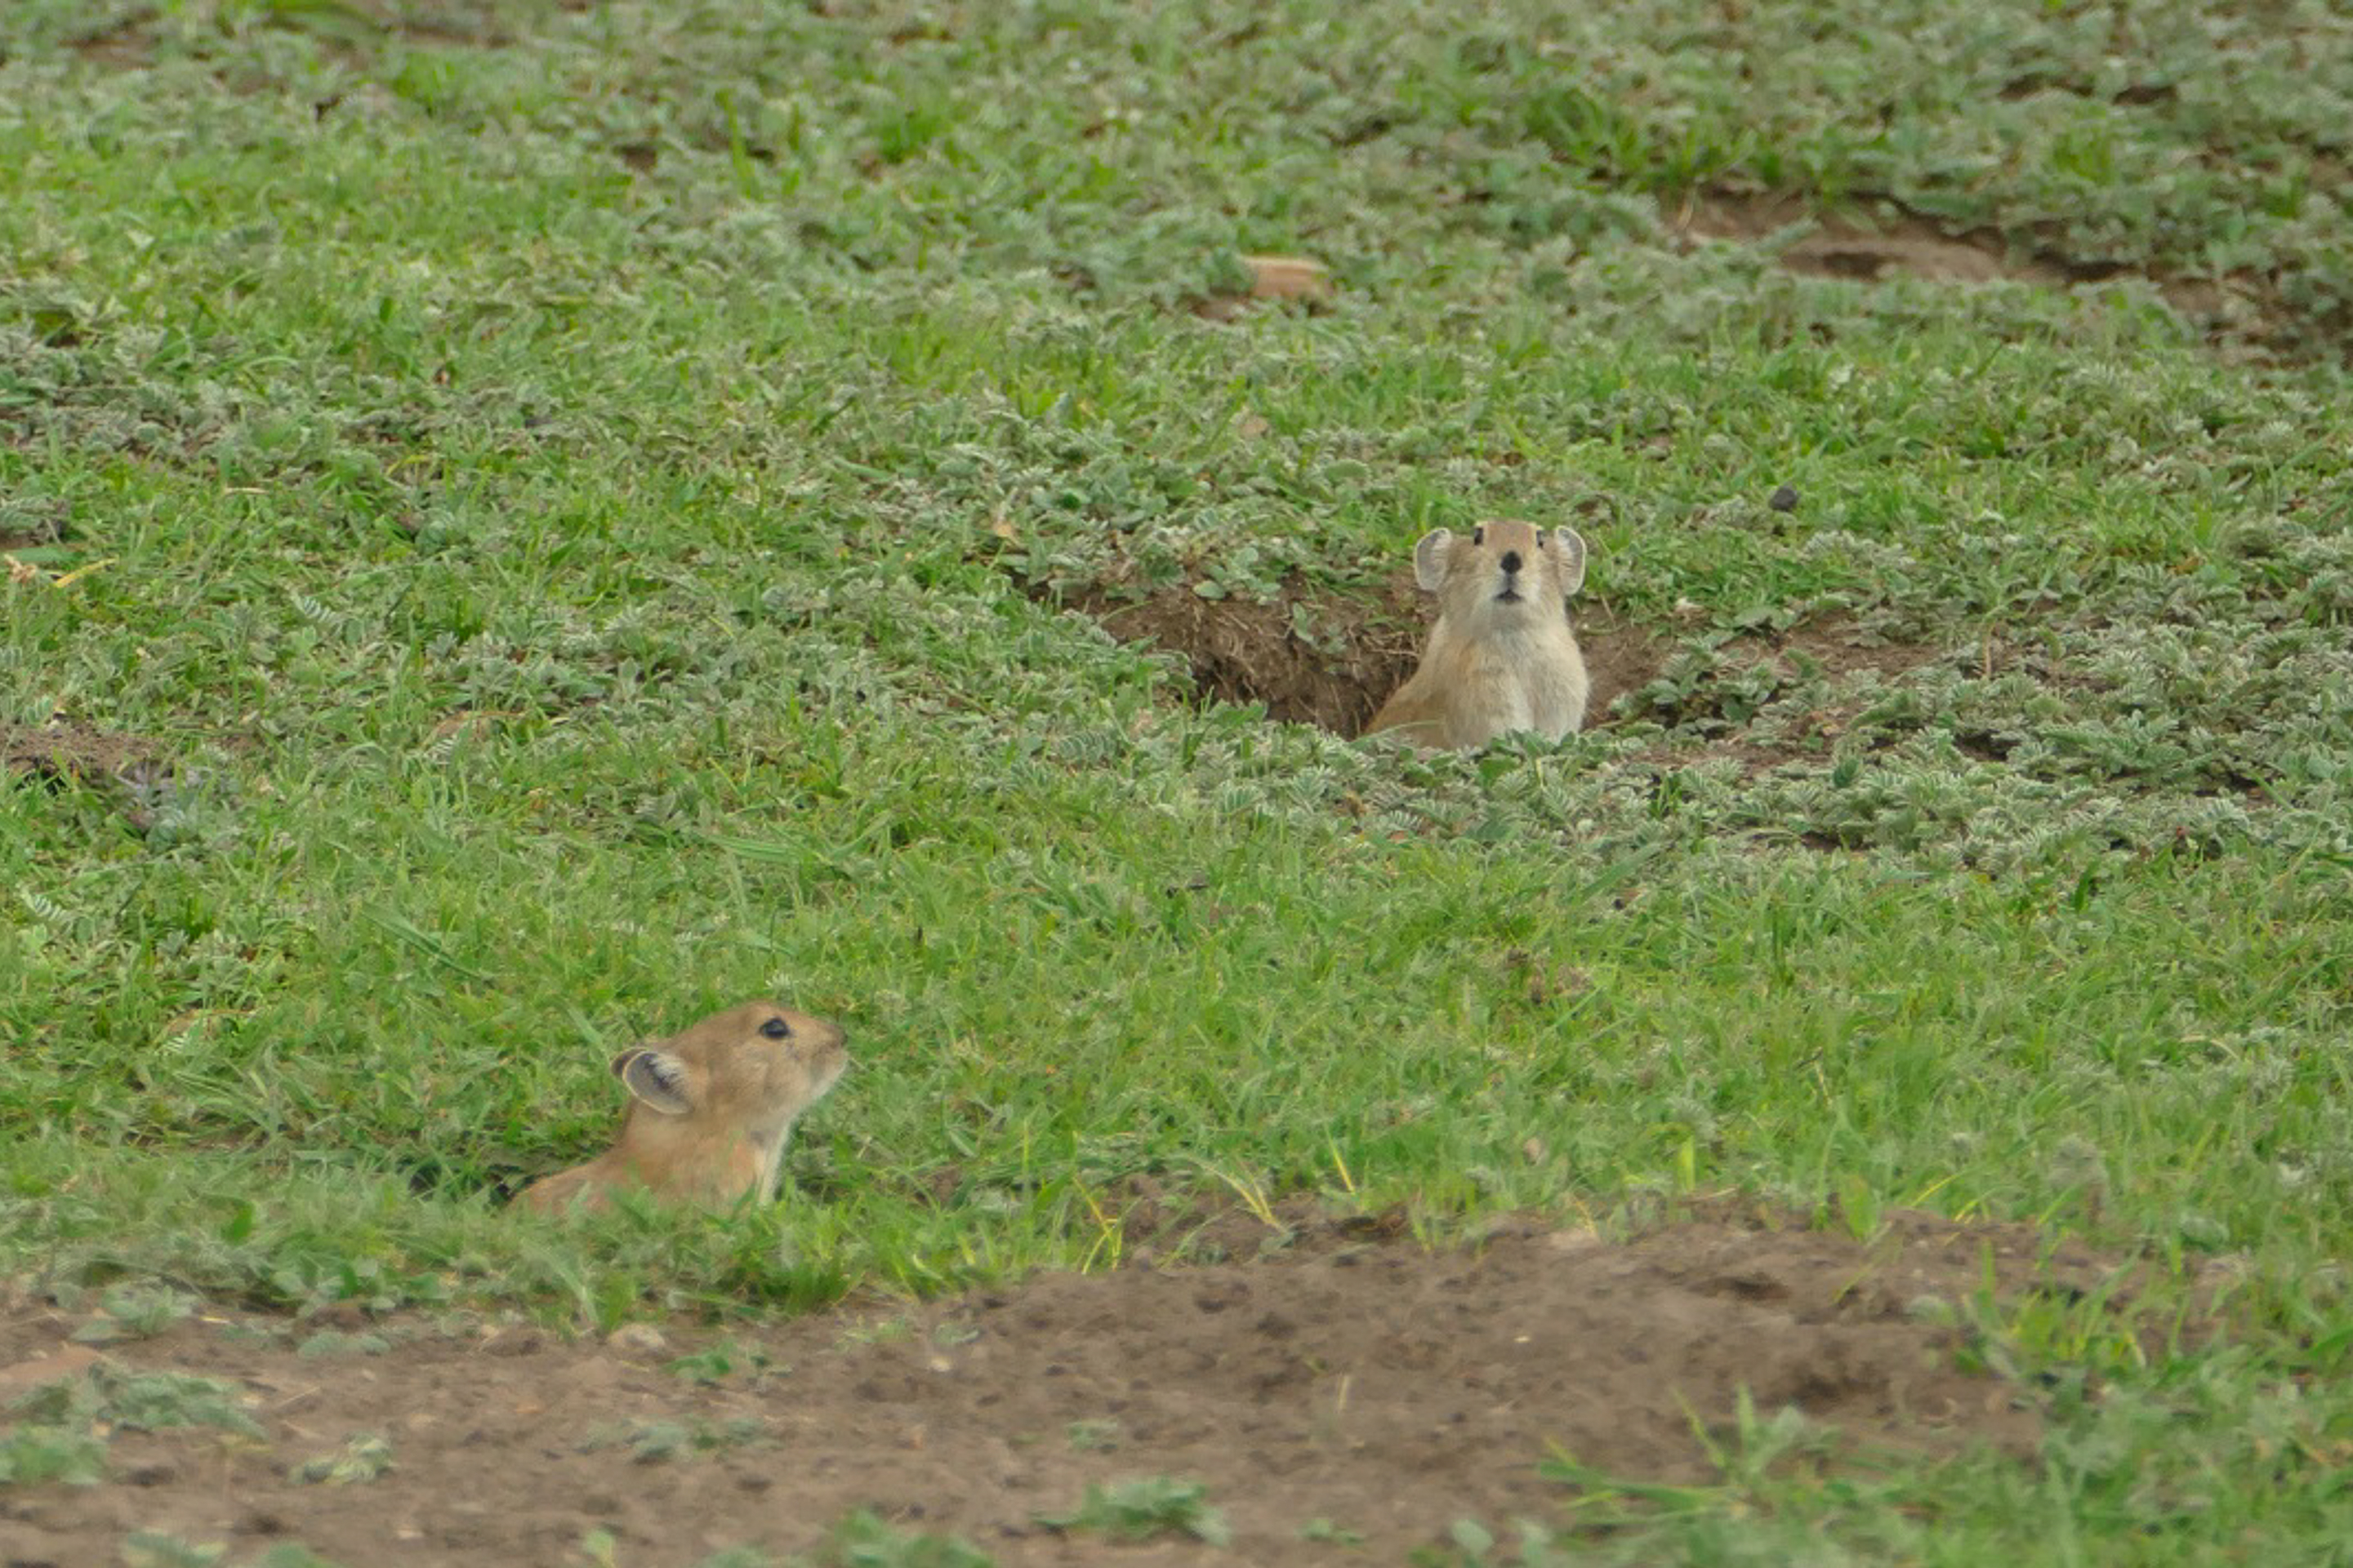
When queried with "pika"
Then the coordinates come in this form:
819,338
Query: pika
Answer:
1503,656
711,1108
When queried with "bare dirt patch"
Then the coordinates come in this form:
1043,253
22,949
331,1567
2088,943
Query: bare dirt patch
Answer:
135,773
1309,657
63,752
1836,246
1336,1371
128,43
1619,658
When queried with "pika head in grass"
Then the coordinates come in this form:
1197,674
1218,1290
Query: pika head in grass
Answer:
711,1108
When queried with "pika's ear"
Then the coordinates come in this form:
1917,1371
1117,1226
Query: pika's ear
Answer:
657,1078
1429,558
1571,545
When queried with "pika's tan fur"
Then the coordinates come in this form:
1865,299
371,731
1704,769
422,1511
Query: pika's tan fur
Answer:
709,1111
1503,656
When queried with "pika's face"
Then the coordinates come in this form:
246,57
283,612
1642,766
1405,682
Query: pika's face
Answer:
1503,572
760,1064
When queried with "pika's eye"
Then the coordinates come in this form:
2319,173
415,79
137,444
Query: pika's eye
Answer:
776,1029
1479,536
1539,539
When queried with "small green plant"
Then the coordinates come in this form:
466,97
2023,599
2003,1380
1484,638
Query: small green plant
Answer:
881,1331
335,1342
153,1549
135,1313
362,1457
657,1442
1140,1509
1324,1530
864,1540
1472,1545
141,1401
293,1554
1094,1434
723,1359
31,1455
1858,1207
740,1557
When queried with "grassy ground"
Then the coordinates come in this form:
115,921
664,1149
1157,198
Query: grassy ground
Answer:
561,514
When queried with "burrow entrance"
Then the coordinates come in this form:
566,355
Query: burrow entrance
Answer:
1331,659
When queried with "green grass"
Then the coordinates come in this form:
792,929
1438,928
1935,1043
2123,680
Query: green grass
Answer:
544,484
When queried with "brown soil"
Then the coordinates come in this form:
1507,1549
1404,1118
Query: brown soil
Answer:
1336,1370
66,751
1241,651
127,44
1619,658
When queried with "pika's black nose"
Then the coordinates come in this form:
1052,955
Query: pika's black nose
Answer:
1511,560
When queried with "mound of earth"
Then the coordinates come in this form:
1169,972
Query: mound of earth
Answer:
1337,1372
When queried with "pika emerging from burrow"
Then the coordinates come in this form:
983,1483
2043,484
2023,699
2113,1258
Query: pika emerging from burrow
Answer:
709,1111
1503,656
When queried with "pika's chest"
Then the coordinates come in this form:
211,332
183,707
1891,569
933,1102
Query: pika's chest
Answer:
1521,684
